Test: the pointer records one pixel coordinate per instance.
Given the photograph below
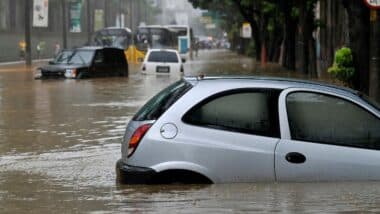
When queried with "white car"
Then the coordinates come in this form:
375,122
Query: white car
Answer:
249,129
162,61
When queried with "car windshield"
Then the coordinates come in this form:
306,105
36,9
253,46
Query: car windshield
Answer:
74,57
81,57
156,106
63,57
163,56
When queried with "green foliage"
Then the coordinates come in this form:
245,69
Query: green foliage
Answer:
295,13
250,51
310,4
268,7
271,25
319,23
343,68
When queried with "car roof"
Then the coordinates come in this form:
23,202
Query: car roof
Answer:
161,50
117,28
154,26
274,82
89,48
92,48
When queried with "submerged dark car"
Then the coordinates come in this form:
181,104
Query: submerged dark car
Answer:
86,62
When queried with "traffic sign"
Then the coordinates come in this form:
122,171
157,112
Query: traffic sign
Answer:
246,30
373,4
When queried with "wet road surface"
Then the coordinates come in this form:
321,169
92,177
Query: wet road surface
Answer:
60,140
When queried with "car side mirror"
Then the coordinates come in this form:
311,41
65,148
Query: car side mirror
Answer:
183,60
51,62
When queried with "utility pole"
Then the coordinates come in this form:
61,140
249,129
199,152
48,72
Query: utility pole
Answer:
89,30
374,52
138,12
131,14
120,18
106,13
64,23
28,42
146,12
374,63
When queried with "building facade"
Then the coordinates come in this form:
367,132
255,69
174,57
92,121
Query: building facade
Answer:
69,23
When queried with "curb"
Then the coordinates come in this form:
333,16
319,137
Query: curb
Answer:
23,62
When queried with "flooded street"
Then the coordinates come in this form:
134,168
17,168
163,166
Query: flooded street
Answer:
60,140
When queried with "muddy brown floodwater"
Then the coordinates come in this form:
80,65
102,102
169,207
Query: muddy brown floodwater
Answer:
60,140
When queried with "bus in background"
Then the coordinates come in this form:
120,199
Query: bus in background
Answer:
155,37
119,38
185,40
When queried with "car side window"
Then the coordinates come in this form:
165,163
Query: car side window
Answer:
246,111
327,119
99,57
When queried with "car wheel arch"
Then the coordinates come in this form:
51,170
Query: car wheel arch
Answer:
186,167
173,176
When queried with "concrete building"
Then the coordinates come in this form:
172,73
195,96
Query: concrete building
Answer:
83,17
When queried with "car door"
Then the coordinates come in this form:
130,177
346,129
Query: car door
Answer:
233,135
120,64
327,138
115,62
99,65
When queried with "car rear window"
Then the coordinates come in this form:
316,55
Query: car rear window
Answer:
161,102
163,56
252,111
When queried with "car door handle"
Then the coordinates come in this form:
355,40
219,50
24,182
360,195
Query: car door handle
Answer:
295,157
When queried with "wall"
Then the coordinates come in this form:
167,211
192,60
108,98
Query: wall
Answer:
12,25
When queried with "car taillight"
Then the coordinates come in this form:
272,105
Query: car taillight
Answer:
136,138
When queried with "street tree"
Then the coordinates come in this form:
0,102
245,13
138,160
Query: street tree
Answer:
359,31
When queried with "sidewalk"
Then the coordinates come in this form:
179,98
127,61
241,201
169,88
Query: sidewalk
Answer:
20,66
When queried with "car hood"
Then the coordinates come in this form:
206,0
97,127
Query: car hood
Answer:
61,67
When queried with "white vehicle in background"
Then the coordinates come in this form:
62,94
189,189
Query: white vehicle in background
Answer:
185,39
162,61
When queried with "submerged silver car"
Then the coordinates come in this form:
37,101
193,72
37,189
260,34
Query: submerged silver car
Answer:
250,129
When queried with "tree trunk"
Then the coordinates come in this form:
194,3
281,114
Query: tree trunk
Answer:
307,48
302,43
374,84
358,15
275,42
289,58
28,40
264,39
312,58
257,39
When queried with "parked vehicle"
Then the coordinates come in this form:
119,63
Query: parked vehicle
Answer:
162,61
236,129
86,62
